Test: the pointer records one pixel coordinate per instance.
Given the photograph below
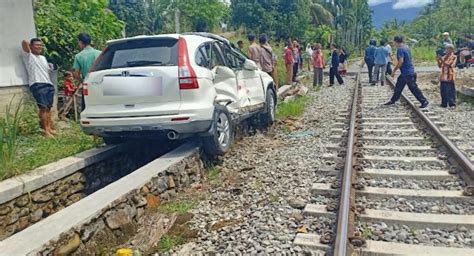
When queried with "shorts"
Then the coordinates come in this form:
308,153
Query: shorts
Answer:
43,94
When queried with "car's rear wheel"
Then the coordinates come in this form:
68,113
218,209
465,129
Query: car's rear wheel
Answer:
268,117
222,135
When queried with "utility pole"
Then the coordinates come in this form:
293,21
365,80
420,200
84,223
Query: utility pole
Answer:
176,20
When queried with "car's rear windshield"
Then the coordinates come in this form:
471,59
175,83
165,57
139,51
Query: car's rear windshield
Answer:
140,52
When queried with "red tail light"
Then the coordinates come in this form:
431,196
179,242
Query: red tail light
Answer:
85,89
187,76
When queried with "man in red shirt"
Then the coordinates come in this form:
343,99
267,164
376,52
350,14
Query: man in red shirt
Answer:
289,61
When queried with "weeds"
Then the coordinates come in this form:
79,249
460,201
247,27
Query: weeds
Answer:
177,207
292,109
423,54
213,174
9,137
167,242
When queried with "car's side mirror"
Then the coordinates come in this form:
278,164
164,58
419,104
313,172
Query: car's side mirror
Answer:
250,65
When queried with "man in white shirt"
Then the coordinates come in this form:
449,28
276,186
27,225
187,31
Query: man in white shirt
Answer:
39,81
389,59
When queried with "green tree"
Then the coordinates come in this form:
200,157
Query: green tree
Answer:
59,22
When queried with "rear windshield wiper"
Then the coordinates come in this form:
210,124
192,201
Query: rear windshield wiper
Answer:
137,63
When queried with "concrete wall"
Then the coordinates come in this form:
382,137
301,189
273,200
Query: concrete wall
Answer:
16,24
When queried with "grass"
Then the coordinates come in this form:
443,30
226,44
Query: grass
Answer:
9,132
180,207
292,109
28,149
167,242
423,54
213,174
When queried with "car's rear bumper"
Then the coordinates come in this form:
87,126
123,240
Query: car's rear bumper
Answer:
141,126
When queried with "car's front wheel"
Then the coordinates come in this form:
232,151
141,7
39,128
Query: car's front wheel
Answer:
268,117
222,135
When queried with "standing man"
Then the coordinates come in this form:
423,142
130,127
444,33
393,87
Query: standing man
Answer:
369,58
254,49
288,56
333,69
318,65
389,59
84,60
442,45
447,63
266,55
240,44
40,83
296,59
380,61
407,76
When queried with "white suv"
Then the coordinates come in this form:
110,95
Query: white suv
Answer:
178,85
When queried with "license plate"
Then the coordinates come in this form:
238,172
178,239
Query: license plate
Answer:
133,86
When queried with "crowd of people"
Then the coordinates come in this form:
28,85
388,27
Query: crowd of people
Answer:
39,77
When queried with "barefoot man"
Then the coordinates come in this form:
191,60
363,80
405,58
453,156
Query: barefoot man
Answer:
39,80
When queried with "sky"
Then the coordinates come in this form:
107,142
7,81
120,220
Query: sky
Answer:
384,10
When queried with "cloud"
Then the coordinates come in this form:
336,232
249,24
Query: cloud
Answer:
377,2
401,4
406,4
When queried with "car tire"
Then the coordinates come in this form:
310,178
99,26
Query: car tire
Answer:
268,117
113,140
222,133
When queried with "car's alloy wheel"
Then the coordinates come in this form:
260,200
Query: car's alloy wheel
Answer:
223,130
222,134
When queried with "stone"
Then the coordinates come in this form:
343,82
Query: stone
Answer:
130,210
22,201
303,90
8,231
160,184
41,197
139,201
23,223
92,228
171,183
140,213
75,197
69,246
152,201
144,190
14,216
289,98
36,215
24,212
297,203
5,209
117,219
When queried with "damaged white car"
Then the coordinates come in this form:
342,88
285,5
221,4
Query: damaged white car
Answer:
175,85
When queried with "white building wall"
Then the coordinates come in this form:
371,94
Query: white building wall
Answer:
16,24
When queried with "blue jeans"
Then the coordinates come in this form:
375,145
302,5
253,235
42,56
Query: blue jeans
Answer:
409,80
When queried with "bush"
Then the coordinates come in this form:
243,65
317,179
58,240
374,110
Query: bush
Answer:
59,22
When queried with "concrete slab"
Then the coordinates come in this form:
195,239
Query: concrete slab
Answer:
383,193
410,175
388,248
401,159
405,148
44,175
30,240
416,220
310,241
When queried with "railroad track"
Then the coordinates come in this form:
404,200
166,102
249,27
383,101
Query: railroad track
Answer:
399,186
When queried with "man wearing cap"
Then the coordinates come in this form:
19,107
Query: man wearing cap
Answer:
446,40
447,64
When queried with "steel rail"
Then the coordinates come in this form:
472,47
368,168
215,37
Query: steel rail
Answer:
463,161
341,246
